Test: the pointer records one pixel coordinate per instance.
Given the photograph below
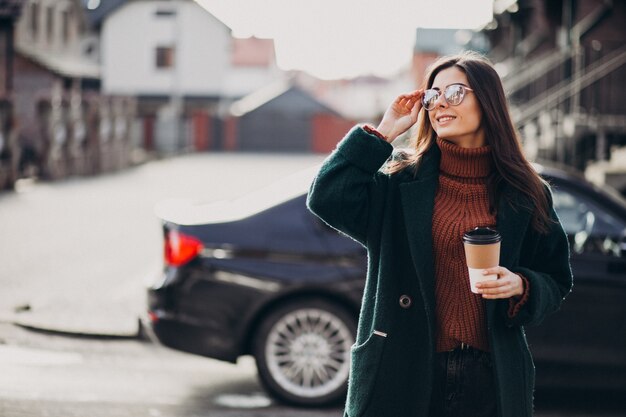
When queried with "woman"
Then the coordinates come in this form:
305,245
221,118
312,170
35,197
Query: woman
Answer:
426,345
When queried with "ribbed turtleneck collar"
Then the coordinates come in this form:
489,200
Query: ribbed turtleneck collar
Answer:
464,162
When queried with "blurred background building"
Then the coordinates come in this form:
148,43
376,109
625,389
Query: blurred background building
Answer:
91,86
563,64
9,147
183,67
284,117
61,123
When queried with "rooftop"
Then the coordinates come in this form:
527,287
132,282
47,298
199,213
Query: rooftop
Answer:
253,52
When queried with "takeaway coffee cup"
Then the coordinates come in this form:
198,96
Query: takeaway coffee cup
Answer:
482,250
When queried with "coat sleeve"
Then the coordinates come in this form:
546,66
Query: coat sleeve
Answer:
548,272
340,193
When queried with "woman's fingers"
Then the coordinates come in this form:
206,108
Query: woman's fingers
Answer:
415,98
507,285
502,290
416,102
499,270
404,106
407,101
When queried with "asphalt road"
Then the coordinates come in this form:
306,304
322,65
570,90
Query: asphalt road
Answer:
44,374
58,376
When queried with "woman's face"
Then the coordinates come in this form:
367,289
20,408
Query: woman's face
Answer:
457,124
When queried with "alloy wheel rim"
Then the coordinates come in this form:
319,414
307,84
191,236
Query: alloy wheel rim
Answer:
308,352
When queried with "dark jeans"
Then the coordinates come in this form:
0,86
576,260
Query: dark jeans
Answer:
464,385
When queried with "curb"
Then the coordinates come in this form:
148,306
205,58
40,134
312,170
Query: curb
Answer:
77,333
136,332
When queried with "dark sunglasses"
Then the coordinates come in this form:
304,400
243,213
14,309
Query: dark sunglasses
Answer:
453,94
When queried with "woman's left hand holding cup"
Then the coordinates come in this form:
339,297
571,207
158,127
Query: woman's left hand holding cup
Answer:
507,285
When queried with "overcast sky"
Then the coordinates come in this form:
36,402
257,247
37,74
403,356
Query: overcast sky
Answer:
345,38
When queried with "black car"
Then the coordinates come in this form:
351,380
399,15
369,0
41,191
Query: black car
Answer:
263,276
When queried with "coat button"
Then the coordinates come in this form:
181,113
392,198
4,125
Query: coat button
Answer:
405,301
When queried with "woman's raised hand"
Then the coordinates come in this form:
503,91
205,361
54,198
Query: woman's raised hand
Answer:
401,114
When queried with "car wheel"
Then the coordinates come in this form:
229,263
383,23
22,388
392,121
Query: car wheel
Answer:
302,351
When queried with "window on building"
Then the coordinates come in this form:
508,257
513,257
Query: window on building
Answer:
50,23
165,13
34,19
66,19
164,56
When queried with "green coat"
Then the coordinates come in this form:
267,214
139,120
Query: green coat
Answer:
391,215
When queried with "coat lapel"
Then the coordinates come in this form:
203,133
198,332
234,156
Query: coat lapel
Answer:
418,200
512,221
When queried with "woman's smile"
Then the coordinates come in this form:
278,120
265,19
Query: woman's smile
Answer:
444,119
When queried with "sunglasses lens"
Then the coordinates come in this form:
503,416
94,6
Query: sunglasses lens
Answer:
429,99
454,94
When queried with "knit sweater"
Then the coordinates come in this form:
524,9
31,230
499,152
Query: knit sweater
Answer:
461,204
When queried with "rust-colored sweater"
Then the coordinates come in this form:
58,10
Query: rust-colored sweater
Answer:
461,203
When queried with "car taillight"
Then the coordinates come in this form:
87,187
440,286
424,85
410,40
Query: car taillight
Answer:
153,317
180,248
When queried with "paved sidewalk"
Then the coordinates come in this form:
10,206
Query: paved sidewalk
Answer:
64,316
111,315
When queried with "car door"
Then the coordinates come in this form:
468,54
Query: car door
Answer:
587,338
347,256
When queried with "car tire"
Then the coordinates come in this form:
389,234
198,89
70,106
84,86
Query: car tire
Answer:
302,351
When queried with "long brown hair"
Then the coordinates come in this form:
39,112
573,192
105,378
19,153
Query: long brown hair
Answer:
511,167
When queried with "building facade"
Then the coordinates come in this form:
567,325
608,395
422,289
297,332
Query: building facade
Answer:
63,125
10,11
564,66
283,117
184,67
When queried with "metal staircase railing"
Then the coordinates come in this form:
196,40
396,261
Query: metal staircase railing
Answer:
534,69
569,87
